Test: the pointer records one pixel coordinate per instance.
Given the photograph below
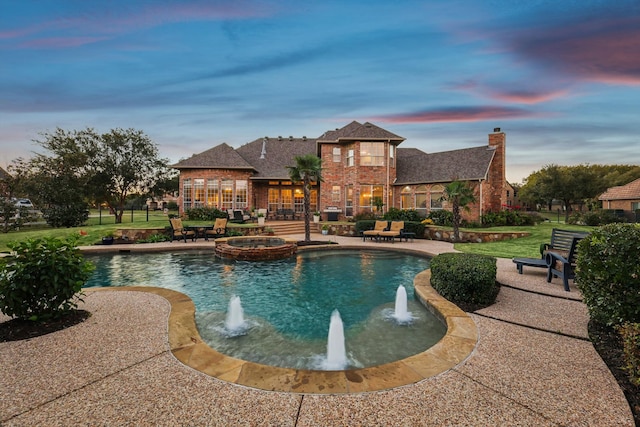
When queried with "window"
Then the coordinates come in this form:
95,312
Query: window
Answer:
392,160
287,199
198,193
635,206
241,194
226,188
212,193
336,154
370,195
421,199
405,198
274,199
349,200
335,193
351,158
371,154
437,192
186,194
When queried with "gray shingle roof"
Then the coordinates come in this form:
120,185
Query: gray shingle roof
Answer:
417,167
279,153
221,156
355,131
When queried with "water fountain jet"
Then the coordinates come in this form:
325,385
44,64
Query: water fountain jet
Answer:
336,351
235,323
401,314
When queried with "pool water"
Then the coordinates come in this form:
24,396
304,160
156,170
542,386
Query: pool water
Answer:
288,303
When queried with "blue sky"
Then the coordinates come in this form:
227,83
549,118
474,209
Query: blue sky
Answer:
560,77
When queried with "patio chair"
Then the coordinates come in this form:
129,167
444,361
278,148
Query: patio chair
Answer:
219,229
238,217
178,231
379,227
395,230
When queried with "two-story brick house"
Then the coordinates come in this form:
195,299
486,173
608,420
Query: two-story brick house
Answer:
362,167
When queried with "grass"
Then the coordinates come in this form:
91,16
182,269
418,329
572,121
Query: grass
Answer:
96,227
522,247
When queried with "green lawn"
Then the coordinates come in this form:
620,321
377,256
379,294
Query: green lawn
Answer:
92,234
523,247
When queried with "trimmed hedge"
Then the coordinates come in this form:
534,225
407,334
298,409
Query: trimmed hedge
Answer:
608,273
465,278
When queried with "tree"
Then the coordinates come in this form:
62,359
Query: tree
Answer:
124,162
308,169
460,195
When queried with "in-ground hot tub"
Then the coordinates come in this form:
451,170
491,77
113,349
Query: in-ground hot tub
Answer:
255,248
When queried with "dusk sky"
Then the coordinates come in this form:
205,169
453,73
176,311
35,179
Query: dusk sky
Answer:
560,77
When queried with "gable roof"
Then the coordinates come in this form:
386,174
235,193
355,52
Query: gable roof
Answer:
355,131
417,167
623,192
279,153
221,156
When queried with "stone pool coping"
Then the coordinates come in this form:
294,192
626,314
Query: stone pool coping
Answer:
188,347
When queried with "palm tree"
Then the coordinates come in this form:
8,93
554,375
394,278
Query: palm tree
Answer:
460,195
308,169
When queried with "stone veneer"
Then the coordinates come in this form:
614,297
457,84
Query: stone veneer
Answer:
265,253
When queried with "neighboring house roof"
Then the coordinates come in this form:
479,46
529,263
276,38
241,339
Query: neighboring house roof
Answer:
278,154
629,191
417,167
355,131
221,156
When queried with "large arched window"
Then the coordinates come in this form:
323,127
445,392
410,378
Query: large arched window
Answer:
436,194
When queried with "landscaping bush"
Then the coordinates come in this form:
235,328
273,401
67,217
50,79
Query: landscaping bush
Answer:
441,217
362,216
395,214
363,225
465,278
204,214
42,279
510,218
630,334
68,215
595,218
608,273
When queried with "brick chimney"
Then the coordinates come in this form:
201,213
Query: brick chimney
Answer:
497,180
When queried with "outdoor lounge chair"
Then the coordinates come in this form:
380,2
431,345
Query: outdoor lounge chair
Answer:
178,231
238,216
219,229
395,230
379,227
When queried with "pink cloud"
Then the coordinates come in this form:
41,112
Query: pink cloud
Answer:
604,48
527,97
458,114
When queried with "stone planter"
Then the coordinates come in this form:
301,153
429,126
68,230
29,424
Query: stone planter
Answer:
261,221
316,219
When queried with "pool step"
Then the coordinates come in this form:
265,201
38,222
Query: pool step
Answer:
287,227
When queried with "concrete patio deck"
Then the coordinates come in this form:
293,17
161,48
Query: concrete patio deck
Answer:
533,366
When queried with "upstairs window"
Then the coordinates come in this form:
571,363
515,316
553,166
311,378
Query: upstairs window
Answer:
336,154
371,154
351,159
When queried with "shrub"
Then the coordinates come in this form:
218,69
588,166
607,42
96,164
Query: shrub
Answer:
608,274
395,214
465,278
155,238
363,225
362,216
441,217
172,206
204,214
42,279
68,215
630,334
595,218
510,218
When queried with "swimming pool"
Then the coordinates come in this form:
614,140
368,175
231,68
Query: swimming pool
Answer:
288,303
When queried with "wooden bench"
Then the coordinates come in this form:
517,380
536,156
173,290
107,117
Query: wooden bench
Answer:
562,263
561,244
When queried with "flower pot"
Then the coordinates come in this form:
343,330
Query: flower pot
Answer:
107,240
325,232
260,220
316,219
